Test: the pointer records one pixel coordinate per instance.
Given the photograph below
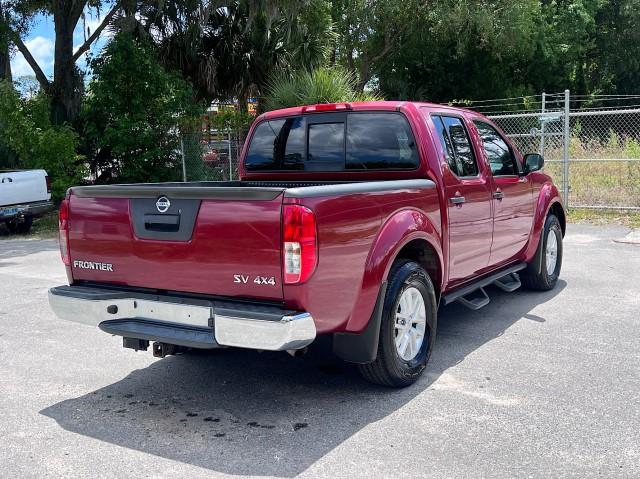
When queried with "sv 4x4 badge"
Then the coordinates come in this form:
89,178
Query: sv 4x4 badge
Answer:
240,278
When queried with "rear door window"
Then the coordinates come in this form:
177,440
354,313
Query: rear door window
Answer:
445,142
456,145
333,142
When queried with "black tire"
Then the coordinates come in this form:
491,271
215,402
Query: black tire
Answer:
389,369
536,276
22,226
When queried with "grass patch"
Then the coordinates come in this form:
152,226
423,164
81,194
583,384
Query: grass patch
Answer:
43,228
603,184
46,225
591,182
630,219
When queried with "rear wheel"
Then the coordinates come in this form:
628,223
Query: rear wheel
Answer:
407,330
543,275
20,226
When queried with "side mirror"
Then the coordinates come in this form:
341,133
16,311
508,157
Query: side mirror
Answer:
533,162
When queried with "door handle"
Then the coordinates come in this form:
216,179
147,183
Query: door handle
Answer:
9,180
457,200
498,195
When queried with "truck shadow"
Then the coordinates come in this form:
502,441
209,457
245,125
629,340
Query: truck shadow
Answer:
248,413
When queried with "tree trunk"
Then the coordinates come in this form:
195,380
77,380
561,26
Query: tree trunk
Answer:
364,75
5,59
67,87
243,100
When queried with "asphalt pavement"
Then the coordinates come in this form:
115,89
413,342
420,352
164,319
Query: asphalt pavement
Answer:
533,385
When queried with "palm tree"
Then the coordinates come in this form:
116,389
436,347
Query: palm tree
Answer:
322,85
232,51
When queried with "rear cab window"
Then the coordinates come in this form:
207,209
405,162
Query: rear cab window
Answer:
351,141
326,147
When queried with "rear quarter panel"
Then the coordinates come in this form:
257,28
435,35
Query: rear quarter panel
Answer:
358,236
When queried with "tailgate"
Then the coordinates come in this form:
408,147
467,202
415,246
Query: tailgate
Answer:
221,241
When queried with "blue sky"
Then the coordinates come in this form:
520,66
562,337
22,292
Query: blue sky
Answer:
40,41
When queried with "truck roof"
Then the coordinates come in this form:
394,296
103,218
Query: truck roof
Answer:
355,106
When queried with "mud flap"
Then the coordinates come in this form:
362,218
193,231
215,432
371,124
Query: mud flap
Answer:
362,348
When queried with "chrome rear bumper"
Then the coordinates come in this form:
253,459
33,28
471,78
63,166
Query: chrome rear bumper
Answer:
190,322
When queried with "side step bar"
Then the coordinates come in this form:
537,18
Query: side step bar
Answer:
508,283
505,279
475,302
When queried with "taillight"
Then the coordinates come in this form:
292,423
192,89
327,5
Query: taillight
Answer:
48,180
63,225
300,245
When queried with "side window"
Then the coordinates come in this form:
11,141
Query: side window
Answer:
446,144
500,158
456,145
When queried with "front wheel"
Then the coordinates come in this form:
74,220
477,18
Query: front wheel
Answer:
543,275
408,327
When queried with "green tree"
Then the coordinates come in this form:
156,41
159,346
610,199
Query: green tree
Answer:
471,49
231,49
26,130
278,43
368,31
463,49
67,86
134,114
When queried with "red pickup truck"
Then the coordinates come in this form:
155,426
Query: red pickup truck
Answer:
350,220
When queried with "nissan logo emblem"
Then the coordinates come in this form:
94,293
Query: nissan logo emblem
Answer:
163,204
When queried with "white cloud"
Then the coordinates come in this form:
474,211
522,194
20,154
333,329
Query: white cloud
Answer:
42,50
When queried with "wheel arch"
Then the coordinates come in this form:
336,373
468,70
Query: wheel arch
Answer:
548,201
409,234
557,209
423,253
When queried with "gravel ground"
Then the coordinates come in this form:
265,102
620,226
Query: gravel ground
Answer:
533,385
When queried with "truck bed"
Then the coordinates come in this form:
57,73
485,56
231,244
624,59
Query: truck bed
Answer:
224,239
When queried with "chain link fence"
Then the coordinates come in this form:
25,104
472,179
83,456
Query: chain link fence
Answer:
210,156
593,153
